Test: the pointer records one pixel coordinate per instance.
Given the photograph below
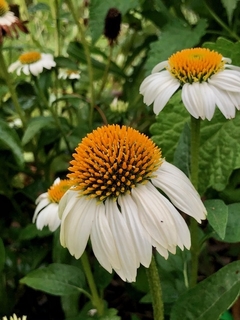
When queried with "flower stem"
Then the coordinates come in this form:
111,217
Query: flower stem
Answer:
87,52
155,290
11,88
96,300
195,142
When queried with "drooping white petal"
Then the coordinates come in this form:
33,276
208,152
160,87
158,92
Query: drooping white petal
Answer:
48,216
155,215
227,80
141,240
15,65
160,66
235,98
165,95
76,224
123,240
24,68
224,103
36,68
179,189
43,203
102,239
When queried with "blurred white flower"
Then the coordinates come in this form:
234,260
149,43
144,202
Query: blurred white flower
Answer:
32,63
14,317
116,203
46,212
9,22
207,80
118,105
69,74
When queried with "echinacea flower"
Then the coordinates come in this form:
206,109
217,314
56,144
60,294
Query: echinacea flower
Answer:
32,63
9,22
116,203
14,317
46,212
69,74
207,80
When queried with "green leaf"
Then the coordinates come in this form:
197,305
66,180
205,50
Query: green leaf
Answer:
227,48
217,216
34,126
99,9
2,255
232,229
10,140
57,279
211,297
230,6
31,232
175,36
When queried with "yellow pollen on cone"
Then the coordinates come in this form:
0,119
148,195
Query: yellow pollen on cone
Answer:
56,191
112,160
30,57
3,7
195,65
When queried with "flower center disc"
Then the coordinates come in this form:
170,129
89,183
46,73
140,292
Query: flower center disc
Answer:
3,7
30,57
56,191
112,160
195,65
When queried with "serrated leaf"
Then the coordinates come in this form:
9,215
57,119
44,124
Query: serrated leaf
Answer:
227,48
57,279
34,126
175,36
217,215
211,297
99,9
10,140
230,6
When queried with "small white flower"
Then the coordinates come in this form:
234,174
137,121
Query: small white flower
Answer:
69,74
14,317
118,105
207,80
116,203
32,63
46,212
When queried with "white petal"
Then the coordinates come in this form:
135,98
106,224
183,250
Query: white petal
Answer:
36,68
25,70
179,189
224,103
103,243
14,66
43,203
141,239
226,80
124,242
160,66
164,96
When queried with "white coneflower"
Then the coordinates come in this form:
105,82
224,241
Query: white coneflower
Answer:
32,63
115,201
69,74
207,80
46,212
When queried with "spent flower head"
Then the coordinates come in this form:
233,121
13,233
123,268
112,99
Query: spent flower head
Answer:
46,212
9,22
115,201
207,80
32,63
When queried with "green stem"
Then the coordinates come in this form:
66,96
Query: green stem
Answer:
88,58
105,75
221,23
53,112
96,300
11,87
155,290
195,142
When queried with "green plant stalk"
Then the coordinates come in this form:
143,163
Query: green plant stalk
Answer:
57,29
155,290
88,58
221,23
195,143
54,114
96,300
11,87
